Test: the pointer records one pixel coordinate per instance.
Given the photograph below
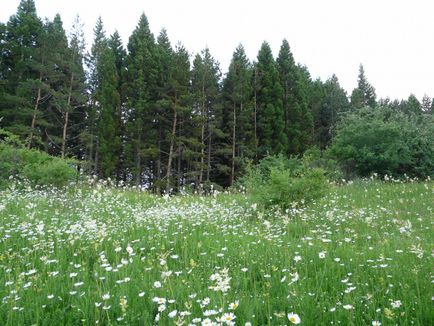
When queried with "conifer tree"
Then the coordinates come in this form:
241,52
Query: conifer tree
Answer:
205,92
141,90
236,121
270,114
364,94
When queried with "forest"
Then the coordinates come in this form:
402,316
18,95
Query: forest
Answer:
151,114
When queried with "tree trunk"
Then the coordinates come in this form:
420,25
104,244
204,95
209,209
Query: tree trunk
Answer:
233,145
172,141
35,111
202,135
138,159
254,117
208,163
65,125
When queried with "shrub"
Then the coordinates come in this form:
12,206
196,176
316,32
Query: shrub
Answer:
280,182
384,141
37,167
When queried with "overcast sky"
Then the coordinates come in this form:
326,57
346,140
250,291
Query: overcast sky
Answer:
393,39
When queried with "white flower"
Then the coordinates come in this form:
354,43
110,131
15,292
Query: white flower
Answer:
348,307
396,304
234,305
161,307
173,314
157,284
106,296
159,300
228,317
50,296
294,318
297,258
322,254
376,323
141,294
130,250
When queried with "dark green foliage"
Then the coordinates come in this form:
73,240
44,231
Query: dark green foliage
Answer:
385,142
284,183
29,164
364,94
142,115
270,115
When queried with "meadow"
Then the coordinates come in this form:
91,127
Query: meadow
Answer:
98,255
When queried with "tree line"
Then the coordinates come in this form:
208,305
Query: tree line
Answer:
150,114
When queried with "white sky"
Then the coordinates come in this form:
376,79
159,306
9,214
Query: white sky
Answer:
393,39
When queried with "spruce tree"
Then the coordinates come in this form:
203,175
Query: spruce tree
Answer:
205,92
141,89
238,143
270,114
364,94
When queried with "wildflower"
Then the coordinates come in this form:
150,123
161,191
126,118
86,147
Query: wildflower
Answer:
141,294
173,314
376,323
234,305
297,258
228,317
322,254
106,296
396,304
348,307
157,284
294,318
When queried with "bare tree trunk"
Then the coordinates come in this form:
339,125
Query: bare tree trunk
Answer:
65,125
254,116
233,145
138,159
208,165
202,134
172,141
35,111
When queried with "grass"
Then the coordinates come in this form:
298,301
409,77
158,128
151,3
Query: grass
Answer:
87,256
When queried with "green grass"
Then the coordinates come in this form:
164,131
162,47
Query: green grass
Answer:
62,251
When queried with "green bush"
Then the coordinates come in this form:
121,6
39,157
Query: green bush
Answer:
280,182
384,141
27,164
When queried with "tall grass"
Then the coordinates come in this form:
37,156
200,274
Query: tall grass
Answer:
107,256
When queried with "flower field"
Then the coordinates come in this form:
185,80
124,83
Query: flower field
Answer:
363,255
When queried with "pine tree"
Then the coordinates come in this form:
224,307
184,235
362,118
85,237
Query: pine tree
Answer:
364,94
288,78
108,126
270,115
21,69
205,92
179,83
141,90
236,121
90,134
427,103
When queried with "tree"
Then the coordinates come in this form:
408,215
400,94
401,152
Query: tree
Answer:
108,126
205,91
427,104
364,94
236,120
334,103
22,69
270,115
141,89
288,78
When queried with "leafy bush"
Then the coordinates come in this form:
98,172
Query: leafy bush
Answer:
37,167
384,141
280,182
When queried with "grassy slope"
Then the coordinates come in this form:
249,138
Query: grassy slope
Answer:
60,252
